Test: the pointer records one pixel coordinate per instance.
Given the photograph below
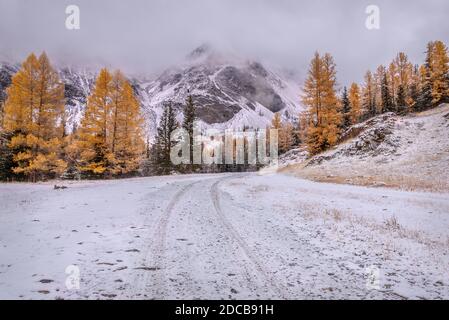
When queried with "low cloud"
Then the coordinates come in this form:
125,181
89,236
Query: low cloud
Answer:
149,35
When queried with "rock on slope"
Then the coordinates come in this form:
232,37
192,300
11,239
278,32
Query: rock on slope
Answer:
410,152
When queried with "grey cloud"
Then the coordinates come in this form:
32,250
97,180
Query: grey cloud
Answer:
147,36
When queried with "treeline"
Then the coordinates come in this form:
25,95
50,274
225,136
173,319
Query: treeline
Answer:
35,144
110,140
159,161
401,87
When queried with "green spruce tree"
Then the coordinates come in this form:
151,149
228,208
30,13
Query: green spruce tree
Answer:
164,144
345,110
424,100
6,156
401,104
387,103
189,122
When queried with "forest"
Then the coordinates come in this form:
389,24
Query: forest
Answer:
111,140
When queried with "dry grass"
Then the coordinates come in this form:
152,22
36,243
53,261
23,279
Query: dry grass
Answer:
334,214
389,226
371,178
392,223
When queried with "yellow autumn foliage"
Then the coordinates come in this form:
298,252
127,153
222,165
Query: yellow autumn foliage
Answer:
33,113
110,140
320,98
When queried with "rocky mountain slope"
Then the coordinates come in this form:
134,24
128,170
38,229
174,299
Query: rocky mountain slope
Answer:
229,92
410,152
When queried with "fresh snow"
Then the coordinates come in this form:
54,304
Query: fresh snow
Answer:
406,152
224,236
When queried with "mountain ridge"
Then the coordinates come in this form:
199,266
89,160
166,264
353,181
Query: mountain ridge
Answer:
229,92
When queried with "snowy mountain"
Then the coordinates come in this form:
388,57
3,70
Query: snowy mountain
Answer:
229,92
78,84
6,71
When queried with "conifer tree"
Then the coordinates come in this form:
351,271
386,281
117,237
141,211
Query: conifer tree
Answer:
393,83
424,100
354,100
164,144
426,95
368,96
286,138
401,105
72,156
297,132
387,105
378,78
6,156
434,77
110,139
413,93
439,72
319,96
404,70
33,114
128,144
189,122
96,158
345,110
405,78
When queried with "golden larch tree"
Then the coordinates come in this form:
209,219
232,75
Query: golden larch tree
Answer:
369,95
354,101
286,138
128,144
378,76
33,113
96,157
393,81
404,70
439,72
320,98
110,139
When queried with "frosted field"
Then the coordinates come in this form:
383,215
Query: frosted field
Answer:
237,236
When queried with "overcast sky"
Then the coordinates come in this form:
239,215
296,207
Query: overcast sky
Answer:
148,35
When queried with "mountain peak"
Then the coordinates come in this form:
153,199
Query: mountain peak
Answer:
200,52
211,55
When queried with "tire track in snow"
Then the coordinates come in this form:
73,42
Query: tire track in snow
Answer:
279,289
156,251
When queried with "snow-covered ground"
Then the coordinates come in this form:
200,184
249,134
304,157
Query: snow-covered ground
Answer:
409,152
238,236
